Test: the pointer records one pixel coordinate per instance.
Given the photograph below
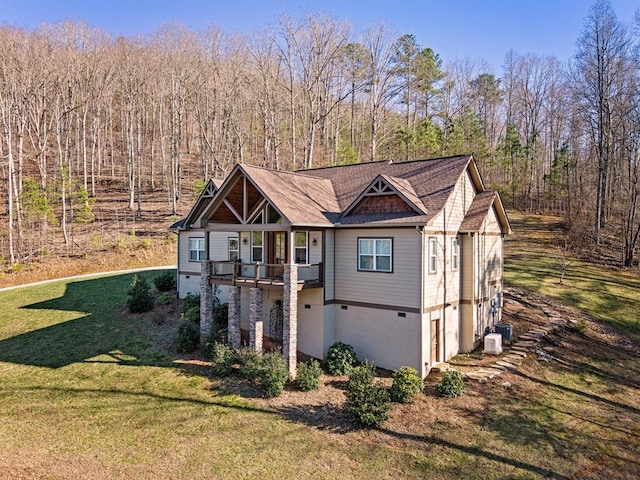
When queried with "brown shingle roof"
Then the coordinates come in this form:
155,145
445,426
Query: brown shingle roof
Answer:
478,211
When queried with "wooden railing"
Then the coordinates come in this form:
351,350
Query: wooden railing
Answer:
237,273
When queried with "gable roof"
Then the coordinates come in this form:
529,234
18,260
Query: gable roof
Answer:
209,191
331,196
479,210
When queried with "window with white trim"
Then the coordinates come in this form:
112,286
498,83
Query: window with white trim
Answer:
433,255
455,253
233,248
196,249
301,251
257,247
375,254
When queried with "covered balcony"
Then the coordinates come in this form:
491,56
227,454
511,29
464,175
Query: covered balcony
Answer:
268,276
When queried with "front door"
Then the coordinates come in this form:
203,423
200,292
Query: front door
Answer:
276,253
435,341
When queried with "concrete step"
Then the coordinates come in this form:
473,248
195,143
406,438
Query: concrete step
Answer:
507,365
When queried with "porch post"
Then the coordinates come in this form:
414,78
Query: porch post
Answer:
234,317
290,317
255,319
206,301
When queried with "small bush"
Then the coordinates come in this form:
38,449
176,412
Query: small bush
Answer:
580,326
451,385
273,374
308,375
140,299
190,301
249,361
192,315
220,315
188,337
406,384
222,359
367,402
166,281
165,298
341,358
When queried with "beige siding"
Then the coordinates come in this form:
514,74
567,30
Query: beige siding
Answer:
184,265
310,323
315,251
368,330
219,245
400,288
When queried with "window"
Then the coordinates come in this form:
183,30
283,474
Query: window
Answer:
233,248
433,255
196,249
374,254
301,247
257,242
455,254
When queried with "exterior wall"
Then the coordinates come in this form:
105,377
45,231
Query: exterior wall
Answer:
381,336
401,288
311,330
468,308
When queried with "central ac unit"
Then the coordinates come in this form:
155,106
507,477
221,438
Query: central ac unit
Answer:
493,344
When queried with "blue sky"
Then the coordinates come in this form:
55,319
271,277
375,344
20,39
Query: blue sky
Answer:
479,29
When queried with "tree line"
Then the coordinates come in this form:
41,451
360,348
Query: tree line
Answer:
82,111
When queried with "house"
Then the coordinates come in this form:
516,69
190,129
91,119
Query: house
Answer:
401,260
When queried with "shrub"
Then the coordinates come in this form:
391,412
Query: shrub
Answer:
192,315
166,281
222,359
308,376
273,374
190,301
451,384
406,384
220,315
188,337
140,299
341,358
367,402
249,361
165,298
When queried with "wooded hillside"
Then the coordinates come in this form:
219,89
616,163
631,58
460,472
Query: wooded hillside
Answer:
86,116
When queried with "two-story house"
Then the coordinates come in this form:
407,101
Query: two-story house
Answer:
401,260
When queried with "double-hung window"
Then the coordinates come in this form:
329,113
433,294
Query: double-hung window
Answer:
375,254
196,249
455,254
433,255
301,252
257,247
233,247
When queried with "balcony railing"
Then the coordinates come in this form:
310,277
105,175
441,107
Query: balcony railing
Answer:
265,275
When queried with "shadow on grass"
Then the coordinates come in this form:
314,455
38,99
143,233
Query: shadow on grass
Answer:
99,329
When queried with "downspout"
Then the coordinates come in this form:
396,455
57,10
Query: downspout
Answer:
422,293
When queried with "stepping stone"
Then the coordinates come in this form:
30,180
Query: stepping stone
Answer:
492,371
514,361
518,353
476,376
498,367
524,343
504,364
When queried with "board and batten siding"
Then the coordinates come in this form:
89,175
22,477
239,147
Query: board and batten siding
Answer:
399,289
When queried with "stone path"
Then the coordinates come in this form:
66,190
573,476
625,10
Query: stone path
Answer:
525,345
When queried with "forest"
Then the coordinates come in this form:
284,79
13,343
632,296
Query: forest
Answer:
84,114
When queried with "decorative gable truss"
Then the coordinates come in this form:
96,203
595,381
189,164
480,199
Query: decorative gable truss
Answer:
386,194
240,203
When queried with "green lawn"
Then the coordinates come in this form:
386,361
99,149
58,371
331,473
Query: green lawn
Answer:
533,262
89,391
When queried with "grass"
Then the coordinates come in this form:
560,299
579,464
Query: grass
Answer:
534,263
89,391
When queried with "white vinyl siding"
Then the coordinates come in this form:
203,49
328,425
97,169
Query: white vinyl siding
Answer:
196,249
375,254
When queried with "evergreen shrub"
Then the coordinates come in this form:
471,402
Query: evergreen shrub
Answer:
451,385
406,384
308,375
368,403
340,359
140,299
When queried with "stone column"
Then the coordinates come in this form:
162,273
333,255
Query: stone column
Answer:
234,317
255,319
206,301
290,317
